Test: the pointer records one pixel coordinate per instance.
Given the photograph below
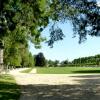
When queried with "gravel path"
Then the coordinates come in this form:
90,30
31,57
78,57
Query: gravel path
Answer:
58,86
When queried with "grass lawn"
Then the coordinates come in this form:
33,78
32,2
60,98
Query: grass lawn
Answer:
9,90
27,70
68,70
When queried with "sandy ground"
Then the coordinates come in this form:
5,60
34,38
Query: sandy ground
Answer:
58,86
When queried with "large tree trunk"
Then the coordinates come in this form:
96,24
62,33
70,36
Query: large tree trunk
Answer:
1,56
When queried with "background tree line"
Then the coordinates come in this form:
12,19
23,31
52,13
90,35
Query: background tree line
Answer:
93,61
87,61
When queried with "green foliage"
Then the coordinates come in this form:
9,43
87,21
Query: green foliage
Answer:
51,63
64,63
35,16
31,60
27,58
40,60
87,61
15,61
1,44
91,61
21,21
83,14
24,16
56,63
12,56
56,34
16,51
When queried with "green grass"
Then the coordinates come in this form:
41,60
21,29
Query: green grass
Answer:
27,70
9,90
68,70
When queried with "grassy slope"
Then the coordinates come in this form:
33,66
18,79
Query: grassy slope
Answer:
68,70
9,90
27,70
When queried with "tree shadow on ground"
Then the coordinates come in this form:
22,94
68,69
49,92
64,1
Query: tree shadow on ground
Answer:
88,89
8,89
87,71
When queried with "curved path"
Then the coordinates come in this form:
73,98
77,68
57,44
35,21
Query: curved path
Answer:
58,86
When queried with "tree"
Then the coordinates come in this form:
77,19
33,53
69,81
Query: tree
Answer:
64,63
21,21
31,60
24,20
25,57
83,14
26,14
40,60
35,16
56,63
85,61
50,63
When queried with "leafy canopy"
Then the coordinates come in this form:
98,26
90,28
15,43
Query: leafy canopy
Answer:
83,14
35,15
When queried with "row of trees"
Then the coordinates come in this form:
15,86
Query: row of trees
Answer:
41,61
25,59
22,58
91,60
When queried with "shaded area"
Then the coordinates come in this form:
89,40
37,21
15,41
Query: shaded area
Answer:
88,80
88,89
86,71
8,88
61,92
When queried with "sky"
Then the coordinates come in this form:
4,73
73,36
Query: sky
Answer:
98,2
69,48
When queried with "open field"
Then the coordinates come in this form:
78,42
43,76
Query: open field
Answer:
68,70
9,90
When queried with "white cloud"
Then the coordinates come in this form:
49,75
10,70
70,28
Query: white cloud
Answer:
98,3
